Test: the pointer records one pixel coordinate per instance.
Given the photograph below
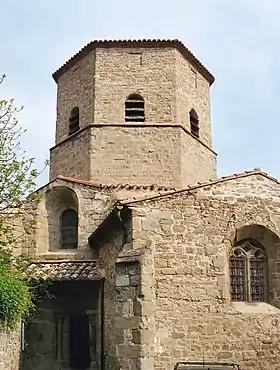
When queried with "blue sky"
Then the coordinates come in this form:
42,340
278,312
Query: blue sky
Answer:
237,40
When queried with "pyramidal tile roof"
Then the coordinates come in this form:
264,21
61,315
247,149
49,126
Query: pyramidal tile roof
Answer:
145,43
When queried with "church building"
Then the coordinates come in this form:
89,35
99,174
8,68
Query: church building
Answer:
155,262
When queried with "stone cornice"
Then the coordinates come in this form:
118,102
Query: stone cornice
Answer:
134,124
177,44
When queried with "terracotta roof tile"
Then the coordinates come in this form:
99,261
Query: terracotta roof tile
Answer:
115,186
137,44
204,184
79,181
66,271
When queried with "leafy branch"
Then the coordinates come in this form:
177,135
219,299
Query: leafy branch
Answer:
18,177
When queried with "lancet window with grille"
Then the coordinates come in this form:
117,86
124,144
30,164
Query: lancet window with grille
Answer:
248,272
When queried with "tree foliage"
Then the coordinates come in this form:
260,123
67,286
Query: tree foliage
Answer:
15,298
17,181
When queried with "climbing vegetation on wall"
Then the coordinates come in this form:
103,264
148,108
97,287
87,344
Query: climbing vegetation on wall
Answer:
15,298
20,292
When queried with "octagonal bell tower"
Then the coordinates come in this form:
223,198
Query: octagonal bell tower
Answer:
134,112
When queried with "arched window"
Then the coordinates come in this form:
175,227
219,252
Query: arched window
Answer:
74,121
248,272
194,123
134,108
69,229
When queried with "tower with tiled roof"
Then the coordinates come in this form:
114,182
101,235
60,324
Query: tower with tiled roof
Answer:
134,112
151,269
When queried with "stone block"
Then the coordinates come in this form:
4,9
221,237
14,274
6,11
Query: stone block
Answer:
133,269
162,333
124,293
128,351
134,280
142,336
145,292
119,337
127,308
145,364
165,215
127,322
149,224
143,308
222,284
122,280
225,355
219,261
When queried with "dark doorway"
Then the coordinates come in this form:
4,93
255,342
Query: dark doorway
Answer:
79,342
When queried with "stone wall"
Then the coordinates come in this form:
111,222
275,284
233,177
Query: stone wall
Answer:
126,320
113,151
193,234
198,162
38,232
100,82
71,157
136,155
75,88
10,350
92,206
192,92
47,336
108,257
128,300
146,71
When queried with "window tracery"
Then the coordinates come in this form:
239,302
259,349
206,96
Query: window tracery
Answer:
248,272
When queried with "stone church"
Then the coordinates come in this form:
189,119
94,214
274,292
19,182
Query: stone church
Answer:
155,262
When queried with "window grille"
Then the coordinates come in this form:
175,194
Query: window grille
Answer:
248,272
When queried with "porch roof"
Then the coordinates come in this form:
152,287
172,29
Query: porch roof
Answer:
65,270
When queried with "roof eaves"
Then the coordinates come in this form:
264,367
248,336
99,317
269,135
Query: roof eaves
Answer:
107,186
113,186
65,270
202,185
135,43
79,181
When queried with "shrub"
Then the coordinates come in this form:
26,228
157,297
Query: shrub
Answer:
15,298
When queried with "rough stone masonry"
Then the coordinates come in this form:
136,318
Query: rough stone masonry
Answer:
168,262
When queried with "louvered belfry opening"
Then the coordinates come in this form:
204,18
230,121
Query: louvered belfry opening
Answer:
134,108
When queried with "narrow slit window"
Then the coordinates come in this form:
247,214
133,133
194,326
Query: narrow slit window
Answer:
248,272
194,123
69,229
74,121
134,109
